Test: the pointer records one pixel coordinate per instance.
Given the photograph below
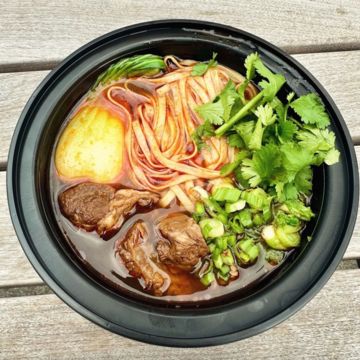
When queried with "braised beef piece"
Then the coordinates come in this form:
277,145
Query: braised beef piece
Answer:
100,207
122,204
137,261
86,204
184,244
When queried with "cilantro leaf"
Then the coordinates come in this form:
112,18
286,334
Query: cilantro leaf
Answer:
285,130
295,158
265,114
245,130
212,112
274,81
279,107
235,140
201,68
219,109
228,97
256,137
311,110
297,208
303,180
263,166
250,61
205,130
321,142
227,169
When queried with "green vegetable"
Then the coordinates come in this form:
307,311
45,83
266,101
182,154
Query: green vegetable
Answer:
258,219
227,257
230,167
245,218
269,235
231,239
320,142
221,242
226,194
274,257
311,110
199,208
236,206
270,85
256,198
212,247
225,269
217,259
205,130
215,210
277,145
264,166
246,251
297,208
218,111
266,117
281,238
223,278
201,68
235,225
211,228
236,141
138,65
207,279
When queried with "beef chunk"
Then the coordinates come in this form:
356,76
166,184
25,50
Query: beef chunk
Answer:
122,204
133,253
184,244
86,204
100,207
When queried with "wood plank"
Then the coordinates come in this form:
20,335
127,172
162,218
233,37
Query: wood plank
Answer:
332,70
15,269
45,32
43,327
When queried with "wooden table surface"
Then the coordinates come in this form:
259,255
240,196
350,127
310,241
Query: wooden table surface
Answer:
36,35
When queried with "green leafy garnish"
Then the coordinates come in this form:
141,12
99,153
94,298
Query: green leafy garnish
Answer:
139,65
277,143
311,110
270,85
263,166
202,67
218,111
202,132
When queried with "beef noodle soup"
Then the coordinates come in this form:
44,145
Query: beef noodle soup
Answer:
184,180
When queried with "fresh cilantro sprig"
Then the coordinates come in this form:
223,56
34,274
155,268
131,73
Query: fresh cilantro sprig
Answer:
270,85
219,110
278,142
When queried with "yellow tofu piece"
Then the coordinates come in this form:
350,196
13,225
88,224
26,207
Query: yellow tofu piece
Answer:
91,146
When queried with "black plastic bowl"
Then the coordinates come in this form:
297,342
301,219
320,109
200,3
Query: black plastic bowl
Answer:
335,195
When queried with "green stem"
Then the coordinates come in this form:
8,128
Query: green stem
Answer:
239,115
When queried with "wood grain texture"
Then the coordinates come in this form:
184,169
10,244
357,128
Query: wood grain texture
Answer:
42,327
332,70
44,32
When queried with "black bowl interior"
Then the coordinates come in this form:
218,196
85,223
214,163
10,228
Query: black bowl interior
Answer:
334,200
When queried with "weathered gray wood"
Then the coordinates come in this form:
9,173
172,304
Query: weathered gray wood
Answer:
339,72
42,327
15,269
40,32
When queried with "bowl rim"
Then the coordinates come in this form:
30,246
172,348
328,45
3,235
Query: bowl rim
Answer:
23,234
